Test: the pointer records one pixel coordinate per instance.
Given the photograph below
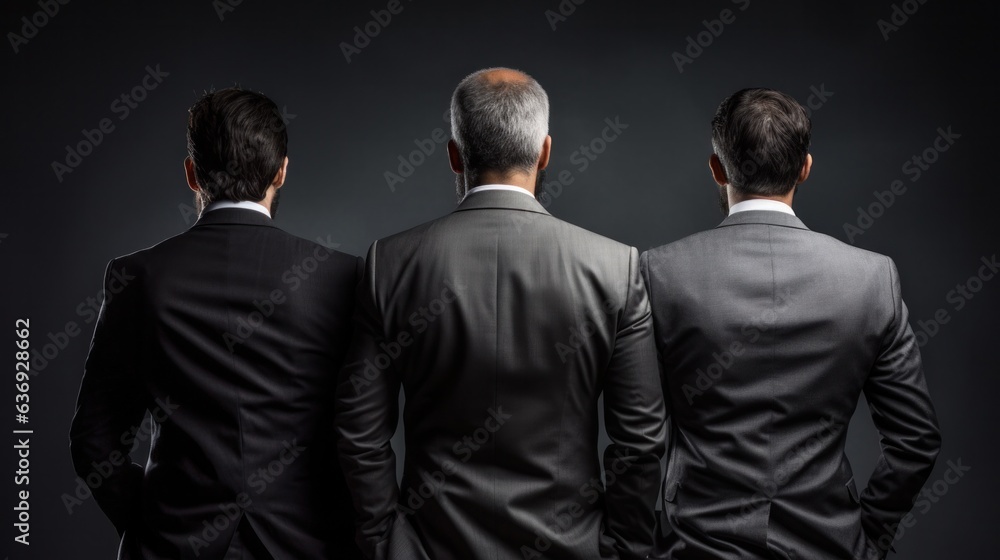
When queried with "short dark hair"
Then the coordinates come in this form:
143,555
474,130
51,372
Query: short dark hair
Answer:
238,142
762,138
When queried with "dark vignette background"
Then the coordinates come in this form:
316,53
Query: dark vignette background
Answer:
606,60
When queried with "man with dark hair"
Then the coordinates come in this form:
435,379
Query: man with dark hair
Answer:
230,335
761,141
504,326
236,163
768,334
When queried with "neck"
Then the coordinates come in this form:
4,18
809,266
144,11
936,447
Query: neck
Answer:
268,198
518,179
737,197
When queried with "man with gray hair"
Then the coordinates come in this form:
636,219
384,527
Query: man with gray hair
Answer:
504,326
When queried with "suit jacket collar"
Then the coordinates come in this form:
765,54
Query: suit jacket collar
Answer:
501,199
767,217
238,216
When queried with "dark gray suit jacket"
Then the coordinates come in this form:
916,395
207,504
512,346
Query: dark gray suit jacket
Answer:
504,326
231,334
768,334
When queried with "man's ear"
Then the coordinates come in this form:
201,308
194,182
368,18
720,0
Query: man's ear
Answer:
806,168
189,174
718,171
543,158
455,158
279,177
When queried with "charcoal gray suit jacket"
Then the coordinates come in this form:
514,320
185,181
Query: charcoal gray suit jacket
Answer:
768,334
504,326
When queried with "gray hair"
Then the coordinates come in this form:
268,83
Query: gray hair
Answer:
498,125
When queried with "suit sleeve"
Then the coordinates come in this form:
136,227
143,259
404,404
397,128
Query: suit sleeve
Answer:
367,411
647,282
904,417
634,415
110,405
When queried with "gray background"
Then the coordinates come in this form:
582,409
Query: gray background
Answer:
650,186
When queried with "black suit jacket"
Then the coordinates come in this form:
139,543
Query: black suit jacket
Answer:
768,334
504,326
231,335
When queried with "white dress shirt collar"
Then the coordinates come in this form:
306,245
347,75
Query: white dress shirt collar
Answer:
761,204
499,188
245,204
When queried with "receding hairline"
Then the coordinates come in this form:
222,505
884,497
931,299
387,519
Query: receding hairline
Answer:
499,75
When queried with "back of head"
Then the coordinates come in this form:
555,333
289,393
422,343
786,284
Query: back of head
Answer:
762,139
238,142
499,121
